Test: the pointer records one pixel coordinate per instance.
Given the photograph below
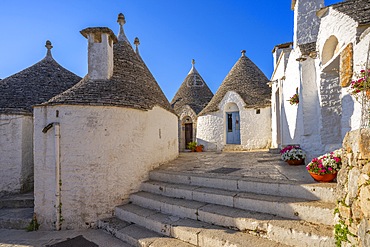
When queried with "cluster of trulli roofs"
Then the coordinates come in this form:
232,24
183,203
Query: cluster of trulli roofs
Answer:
85,144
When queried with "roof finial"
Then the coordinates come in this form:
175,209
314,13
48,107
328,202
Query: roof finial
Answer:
243,53
48,47
121,21
137,43
193,62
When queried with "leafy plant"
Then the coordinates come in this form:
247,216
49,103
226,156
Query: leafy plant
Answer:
326,164
192,146
34,225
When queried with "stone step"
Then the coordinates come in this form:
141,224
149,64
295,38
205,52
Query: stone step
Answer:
291,208
17,201
136,235
15,218
191,231
277,228
314,191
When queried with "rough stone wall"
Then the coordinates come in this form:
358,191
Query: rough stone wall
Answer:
306,22
16,153
353,190
255,129
105,154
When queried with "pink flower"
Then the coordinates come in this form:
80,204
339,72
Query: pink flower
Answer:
330,169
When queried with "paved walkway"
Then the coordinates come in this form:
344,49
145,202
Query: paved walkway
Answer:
259,165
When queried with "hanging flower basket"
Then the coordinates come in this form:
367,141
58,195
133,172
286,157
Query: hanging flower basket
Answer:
362,84
294,100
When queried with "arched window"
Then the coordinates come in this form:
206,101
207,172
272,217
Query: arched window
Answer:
331,46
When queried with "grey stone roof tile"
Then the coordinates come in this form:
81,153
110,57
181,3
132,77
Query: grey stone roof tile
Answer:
359,10
193,92
34,85
132,85
246,79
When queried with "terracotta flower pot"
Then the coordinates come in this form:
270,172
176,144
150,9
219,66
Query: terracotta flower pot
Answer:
325,178
294,162
199,149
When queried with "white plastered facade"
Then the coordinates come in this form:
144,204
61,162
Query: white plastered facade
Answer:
326,111
255,128
16,153
105,153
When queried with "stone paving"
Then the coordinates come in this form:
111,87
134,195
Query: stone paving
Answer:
258,165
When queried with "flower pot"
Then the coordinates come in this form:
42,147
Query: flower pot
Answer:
325,178
294,162
199,149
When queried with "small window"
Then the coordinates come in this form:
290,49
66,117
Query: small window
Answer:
258,111
229,123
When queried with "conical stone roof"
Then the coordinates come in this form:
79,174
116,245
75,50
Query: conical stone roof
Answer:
193,92
35,85
246,79
132,85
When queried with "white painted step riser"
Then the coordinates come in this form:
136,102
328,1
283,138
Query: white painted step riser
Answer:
118,234
192,232
299,239
287,210
179,211
146,222
309,192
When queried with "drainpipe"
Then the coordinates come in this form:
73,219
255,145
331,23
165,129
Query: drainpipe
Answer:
58,181
57,177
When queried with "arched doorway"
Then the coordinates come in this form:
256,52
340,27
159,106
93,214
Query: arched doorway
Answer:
232,118
188,131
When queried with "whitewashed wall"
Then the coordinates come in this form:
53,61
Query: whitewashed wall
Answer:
255,129
106,152
16,153
306,22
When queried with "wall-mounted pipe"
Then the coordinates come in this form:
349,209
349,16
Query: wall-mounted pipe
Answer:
58,179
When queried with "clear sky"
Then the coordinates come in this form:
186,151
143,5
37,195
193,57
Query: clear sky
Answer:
171,33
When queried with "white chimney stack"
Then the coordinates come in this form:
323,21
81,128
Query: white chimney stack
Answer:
100,52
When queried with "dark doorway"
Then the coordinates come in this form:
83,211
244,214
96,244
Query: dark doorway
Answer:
188,134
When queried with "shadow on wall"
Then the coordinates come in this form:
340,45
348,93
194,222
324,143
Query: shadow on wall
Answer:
348,109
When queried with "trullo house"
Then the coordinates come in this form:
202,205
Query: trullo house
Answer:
96,142
330,48
192,96
238,116
18,93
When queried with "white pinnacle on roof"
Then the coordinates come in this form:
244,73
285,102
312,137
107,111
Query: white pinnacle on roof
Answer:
121,21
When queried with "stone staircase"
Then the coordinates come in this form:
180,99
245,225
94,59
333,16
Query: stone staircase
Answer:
16,211
177,208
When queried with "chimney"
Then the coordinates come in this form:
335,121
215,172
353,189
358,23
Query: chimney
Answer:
100,52
306,22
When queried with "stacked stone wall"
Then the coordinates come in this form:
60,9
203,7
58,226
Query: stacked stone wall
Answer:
353,191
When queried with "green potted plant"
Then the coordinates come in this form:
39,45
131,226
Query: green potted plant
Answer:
293,155
192,146
325,167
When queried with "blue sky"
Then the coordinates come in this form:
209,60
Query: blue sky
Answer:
171,32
